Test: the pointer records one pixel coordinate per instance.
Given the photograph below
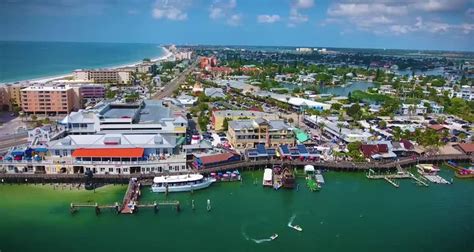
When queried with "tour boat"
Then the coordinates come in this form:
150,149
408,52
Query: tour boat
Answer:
273,237
428,169
181,183
296,227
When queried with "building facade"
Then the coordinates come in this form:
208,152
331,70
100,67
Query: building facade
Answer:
119,76
218,116
249,133
48,99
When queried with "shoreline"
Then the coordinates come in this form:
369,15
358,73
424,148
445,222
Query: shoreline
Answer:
167,54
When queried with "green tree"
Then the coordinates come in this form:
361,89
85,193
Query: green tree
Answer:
225,124
354,111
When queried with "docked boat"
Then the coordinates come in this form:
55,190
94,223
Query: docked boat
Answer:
277,177
181,183
268,177
288,178
427,169
273,237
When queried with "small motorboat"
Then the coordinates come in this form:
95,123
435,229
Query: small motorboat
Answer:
273,237
296,227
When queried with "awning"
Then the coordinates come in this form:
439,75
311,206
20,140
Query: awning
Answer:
110,153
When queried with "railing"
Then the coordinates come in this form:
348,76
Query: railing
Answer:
180,158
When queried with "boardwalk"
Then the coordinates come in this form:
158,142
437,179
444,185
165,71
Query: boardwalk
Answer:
240,165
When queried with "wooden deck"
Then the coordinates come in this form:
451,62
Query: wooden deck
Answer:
240,165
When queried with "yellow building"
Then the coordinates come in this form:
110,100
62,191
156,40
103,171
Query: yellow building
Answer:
219,116
248,133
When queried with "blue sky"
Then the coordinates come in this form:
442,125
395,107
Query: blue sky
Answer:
410,24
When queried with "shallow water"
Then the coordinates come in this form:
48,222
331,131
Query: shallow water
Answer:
349,213
32,60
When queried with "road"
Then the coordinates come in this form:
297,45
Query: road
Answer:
174,84
7,144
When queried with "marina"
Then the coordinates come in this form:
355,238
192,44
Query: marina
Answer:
429,172
258,222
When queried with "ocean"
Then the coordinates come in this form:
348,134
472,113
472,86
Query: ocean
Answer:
350,213
33,60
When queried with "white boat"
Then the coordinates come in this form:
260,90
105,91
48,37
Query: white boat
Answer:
296,227
427,169
267,177
181,183
273,237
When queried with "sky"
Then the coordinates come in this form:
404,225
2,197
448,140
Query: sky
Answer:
400,24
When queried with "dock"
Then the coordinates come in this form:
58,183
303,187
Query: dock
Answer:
437,179
391,182
418,180
130,199
390,178
74,207
130,203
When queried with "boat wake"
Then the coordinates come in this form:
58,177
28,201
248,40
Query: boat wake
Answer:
258,241
290,223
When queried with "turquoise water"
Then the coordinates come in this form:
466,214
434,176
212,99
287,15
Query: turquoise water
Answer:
31,60
344,90
350,213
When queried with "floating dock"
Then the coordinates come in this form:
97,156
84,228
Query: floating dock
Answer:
390,178
436,179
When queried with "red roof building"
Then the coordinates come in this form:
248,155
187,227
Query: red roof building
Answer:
437,127
467,148
109,153
371,149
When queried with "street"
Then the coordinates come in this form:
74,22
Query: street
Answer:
174,84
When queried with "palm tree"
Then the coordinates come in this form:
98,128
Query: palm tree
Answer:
321,126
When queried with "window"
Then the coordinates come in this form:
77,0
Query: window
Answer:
111,169
125,170
102,169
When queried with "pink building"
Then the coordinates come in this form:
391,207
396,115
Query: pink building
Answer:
48,99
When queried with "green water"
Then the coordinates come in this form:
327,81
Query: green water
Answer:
350,213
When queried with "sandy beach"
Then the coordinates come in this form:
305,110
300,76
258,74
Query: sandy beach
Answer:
167,54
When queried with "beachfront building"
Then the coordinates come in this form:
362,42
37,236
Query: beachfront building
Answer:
48,100
101,154
112,138
251,132
118,76
5,103
218,116
144,117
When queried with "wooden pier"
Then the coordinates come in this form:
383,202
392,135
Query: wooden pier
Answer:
391,182
130,202
390,178
74,207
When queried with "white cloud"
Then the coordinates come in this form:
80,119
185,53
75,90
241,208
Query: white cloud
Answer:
216,13
296,17
365,9
269,19
397,16
440,5
220,9
303,4
171,9
234,20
